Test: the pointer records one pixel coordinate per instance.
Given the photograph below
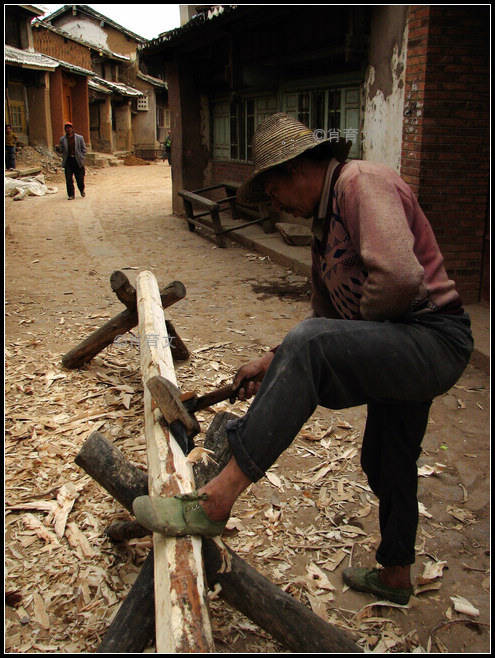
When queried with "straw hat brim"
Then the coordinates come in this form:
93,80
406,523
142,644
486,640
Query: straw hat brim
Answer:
253,189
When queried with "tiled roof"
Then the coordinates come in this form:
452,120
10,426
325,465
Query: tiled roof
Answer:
152,80
73,68
215,15
117,87
96,86
28,59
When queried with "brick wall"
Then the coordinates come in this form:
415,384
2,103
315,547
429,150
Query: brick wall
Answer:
50,43
412,133
446,132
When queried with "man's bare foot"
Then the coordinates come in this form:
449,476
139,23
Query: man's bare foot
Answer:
223,491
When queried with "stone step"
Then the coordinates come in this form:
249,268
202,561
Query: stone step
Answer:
19,173
99,160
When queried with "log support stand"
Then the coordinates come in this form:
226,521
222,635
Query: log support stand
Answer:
125,321
168,602
287,620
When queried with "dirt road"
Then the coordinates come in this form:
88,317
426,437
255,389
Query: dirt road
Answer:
300,526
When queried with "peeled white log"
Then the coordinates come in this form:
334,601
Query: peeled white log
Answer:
181,610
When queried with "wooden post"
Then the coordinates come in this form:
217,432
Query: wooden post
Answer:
181,611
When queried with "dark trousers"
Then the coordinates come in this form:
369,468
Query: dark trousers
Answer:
395,368
73,169
10,157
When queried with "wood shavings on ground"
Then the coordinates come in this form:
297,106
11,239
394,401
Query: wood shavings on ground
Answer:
312,515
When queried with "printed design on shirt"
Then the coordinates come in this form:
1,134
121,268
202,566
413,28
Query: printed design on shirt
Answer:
342,268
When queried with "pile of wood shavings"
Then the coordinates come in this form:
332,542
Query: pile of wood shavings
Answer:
65,580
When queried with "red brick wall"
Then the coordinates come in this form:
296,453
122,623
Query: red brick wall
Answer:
414,95
53,44
446,132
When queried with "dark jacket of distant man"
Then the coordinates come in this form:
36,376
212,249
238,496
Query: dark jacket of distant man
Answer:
79,149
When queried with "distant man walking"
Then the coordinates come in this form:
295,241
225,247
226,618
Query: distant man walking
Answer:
10,144
167,152
73,150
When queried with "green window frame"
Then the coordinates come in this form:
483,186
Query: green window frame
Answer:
332,112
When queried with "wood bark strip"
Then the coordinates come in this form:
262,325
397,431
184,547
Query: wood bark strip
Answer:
300,630
182,623
117,326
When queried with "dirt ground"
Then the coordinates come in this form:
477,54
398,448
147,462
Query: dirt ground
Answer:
300,526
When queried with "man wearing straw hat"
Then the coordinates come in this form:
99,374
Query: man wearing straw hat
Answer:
388,330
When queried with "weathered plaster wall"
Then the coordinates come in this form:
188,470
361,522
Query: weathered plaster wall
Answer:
84,27
40,127
122,135
143,124
384,86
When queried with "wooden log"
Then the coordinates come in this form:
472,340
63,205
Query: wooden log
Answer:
127,295
124,530
179,350
182,623
242,586
288,621
118,325
132,628
124,290
107,465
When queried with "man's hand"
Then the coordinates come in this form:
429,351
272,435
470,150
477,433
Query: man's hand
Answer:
249,377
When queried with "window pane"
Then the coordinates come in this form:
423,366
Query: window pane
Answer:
333,109
318,110
242,131
234,133
221,130
249,129
303,109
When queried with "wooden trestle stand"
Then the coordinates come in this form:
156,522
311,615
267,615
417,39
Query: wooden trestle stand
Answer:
168,601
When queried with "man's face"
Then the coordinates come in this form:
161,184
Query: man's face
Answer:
289,192
69,130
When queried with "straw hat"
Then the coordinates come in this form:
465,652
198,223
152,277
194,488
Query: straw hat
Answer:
278,139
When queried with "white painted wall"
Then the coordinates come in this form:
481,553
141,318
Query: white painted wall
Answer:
84,28
383,117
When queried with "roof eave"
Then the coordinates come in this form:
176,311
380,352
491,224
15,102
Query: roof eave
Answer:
95,14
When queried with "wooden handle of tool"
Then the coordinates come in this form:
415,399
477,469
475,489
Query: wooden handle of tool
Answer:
218,395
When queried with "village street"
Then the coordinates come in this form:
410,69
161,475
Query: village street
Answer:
313,515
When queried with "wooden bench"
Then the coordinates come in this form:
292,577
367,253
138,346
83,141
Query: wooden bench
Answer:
209,215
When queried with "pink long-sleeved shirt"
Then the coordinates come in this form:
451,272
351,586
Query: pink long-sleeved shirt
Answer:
381,258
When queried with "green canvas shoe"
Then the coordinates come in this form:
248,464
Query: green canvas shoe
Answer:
368,580
176,517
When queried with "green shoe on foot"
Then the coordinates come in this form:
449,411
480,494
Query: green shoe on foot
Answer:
368,580
176,517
